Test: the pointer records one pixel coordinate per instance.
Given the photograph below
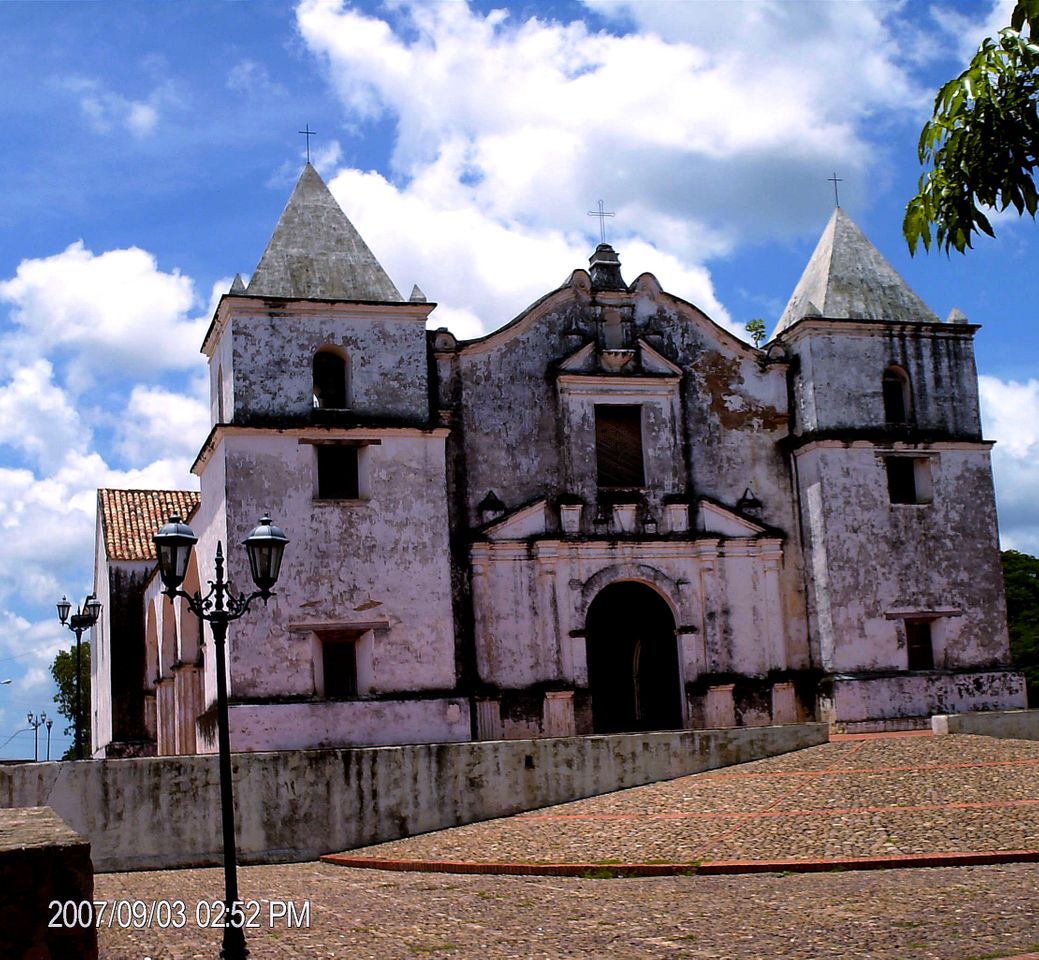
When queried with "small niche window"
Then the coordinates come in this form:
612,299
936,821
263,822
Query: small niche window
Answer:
219,394
919,644
897,396
909,479
338,664
337,471
330,376
618,445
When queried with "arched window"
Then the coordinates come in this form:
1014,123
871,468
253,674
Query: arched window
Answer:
330,374
898,398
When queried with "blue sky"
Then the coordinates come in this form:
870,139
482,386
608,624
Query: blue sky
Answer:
149,149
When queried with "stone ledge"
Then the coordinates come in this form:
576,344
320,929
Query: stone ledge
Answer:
1007,724
42,860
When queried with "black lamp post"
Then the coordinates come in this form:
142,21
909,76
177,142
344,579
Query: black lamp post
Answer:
82,620
50,723
36,722
265,546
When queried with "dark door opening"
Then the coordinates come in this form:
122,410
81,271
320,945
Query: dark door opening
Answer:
632,661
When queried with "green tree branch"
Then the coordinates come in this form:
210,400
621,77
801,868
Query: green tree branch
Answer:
980,149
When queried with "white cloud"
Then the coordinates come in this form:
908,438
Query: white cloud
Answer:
107,110
968,31
717,123
483,273
326,157
252,78
164,423
1010,411
37,418
116,312
538,118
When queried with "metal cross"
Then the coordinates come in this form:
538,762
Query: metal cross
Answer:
308,133
835,180
602,215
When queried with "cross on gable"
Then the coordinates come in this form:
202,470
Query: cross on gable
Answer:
835,180
602,215
308,133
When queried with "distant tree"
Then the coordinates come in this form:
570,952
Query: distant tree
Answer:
981,146
756,329
1021,580
63,669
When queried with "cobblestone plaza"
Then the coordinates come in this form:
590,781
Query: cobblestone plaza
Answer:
909,797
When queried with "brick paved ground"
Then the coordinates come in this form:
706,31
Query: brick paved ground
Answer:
834,799
858,797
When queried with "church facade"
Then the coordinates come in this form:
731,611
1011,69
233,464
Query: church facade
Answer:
608,515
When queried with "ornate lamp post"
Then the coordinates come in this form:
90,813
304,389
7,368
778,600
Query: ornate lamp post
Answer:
50,723
265,546
82,620
36,722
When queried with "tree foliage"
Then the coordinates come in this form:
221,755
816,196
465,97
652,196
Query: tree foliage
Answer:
756,329
63,669
1021,580
980,149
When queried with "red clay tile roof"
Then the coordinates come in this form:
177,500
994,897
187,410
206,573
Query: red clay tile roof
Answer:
130,518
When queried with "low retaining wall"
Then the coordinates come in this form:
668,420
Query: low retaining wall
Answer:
1009,724
159,812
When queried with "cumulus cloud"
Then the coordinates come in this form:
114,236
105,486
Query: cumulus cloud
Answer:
160,423
88,337
37,418
1010,412
116,311
508,131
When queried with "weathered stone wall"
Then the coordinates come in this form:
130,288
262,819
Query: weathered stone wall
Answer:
41,861
713,413
273,346
532,599
842,363
362,723
922,694
379,563
875,562
292,806
718,438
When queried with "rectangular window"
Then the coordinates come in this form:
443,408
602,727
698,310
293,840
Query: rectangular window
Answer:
920,647
337,477
339,665
618,445
909,479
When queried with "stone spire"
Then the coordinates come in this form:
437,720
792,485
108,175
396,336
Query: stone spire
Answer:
316,252
847,278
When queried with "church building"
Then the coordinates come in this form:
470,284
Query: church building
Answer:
608,515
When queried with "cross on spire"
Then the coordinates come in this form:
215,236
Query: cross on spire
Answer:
308,133
602,215
835,180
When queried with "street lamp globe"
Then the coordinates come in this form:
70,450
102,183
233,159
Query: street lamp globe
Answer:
92,609
173,545
265,546
63,609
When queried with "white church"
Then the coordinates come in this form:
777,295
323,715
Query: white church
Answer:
608,515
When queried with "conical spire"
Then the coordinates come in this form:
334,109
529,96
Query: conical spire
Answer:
848,278
316,252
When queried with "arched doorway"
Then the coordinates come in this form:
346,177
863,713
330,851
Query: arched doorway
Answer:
632,660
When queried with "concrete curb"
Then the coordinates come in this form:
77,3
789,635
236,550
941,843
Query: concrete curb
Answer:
703,869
